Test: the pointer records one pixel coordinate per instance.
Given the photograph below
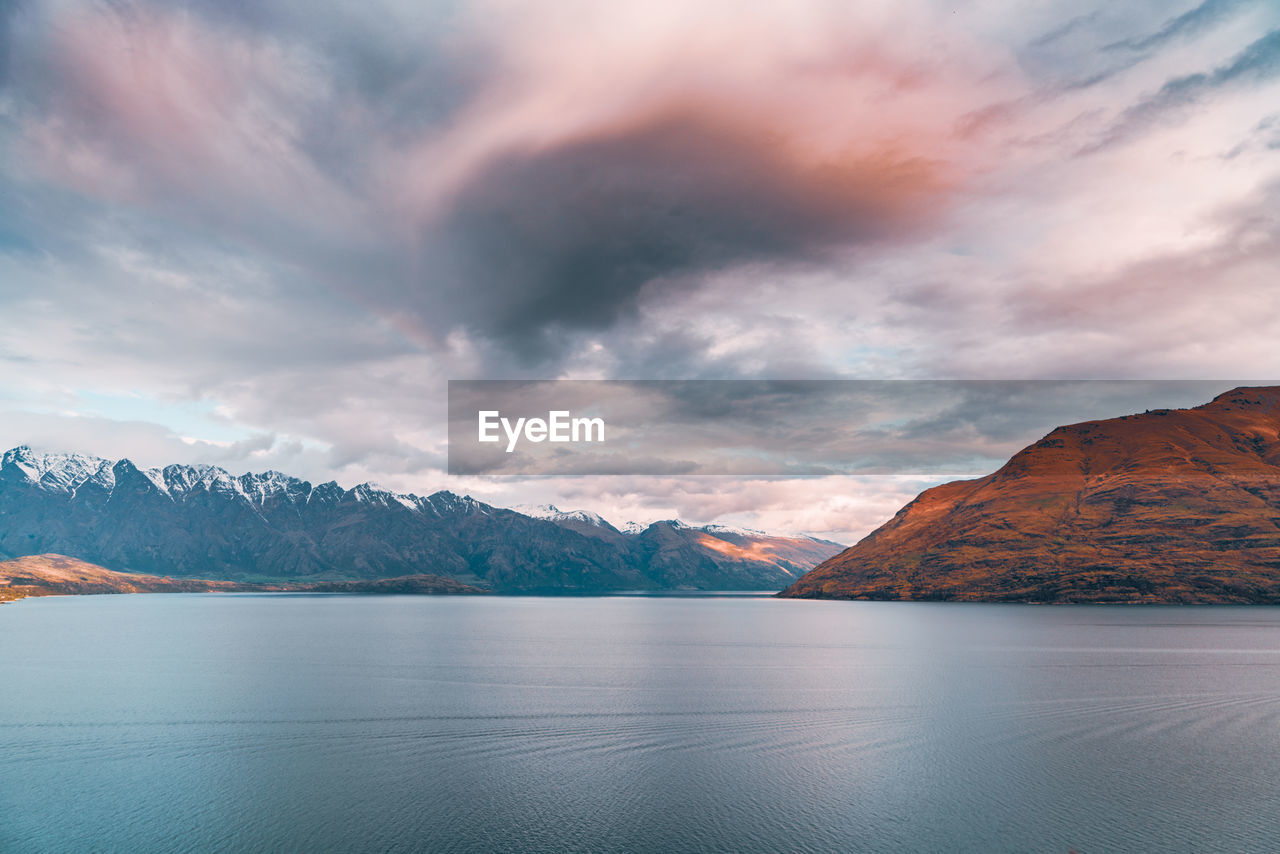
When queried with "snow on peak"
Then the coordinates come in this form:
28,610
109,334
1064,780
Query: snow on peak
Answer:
632,528
444,500
537,511
373,494
202,476
68,472
156,476
54,472
181,478
104,477
732,530
552,513
259,487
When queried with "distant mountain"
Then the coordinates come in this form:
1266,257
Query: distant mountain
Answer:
583,522
202,522
676,551
1166,506
568,518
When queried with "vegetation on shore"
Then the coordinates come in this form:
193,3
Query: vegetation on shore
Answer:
59,575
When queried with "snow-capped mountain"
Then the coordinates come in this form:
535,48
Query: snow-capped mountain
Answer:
67,474
202,521
789,555
553,513
733,531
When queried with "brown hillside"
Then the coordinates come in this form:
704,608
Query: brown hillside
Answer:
59,575
56,575
1167,506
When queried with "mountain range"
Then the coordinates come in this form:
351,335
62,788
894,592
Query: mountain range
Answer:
1165,506
186,521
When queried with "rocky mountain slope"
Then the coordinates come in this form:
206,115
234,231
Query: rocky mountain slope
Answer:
1166,506
202,522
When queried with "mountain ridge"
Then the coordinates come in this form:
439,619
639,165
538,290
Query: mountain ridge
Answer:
1164,506
201,521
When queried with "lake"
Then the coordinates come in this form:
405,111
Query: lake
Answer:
316,723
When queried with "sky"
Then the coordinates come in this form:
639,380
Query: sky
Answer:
266,234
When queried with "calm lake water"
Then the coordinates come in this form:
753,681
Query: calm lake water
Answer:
356,723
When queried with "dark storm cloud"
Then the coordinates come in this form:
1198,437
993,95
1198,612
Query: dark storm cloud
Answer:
566,240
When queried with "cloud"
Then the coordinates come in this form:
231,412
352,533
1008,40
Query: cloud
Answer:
1065,29
771,427
141,107
1265,137
623,157
1257,63
8,11
445,183
146,443
1192,22
306,217
842,509
567,239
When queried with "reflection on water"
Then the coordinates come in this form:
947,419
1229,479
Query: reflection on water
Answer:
345,723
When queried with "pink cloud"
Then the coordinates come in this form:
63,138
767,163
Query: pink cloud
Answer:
826,83
157,107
